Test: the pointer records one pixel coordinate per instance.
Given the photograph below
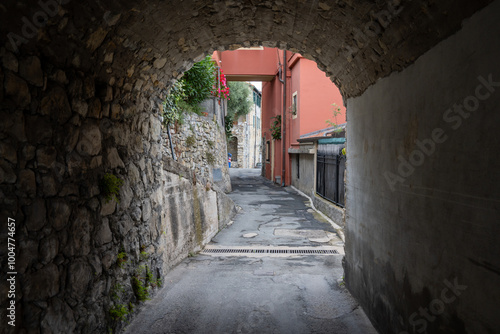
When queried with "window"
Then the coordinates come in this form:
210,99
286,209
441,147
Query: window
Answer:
294,105
268,150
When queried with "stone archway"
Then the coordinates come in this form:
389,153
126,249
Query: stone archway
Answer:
81,87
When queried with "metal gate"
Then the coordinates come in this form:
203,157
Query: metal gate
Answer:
330,177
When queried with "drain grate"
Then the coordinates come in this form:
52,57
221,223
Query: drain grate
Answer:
237,251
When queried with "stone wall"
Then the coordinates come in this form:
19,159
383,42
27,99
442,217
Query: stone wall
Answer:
77,254
200,144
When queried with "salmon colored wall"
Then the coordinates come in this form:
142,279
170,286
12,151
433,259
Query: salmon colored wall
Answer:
294,87
317,93
271,103
249,62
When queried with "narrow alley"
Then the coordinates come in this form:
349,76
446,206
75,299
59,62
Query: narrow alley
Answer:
221,292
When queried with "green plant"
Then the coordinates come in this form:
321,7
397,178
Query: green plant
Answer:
144,255
173,104
110,187
141,292
336,111
116,291
190,141
149,276
199,81
210,158
276,127
121,258
342,283
118,312
187,93
131,307
239,105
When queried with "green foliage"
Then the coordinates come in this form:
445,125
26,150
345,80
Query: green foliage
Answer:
173,104
116,291
199,81
121,258
229,119
186,94
210,158
144,255
118,312
141,292
336,111
276,127
110,187
190,141
240,104
149,276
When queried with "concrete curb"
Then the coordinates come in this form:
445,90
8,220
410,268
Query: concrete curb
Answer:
337,228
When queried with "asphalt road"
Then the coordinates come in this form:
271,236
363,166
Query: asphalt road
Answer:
260,293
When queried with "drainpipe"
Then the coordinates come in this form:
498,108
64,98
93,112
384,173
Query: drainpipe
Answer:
283,120
171,144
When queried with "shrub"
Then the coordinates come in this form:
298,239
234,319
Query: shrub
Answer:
141,292
110,187
118,312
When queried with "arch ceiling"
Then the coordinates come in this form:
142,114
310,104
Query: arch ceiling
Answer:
355,42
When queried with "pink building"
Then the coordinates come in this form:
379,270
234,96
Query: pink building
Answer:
293,89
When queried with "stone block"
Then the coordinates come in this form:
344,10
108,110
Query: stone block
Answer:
8,152
41,284
95,108
79,234
38,129
80,107
59,213
58,318
49,247
146,210
46,156
27,182
7,173
31,70
113,159
36,215
107,207
10,61
17,88
79,276
90,140
28,255
103,234
56,105
50,187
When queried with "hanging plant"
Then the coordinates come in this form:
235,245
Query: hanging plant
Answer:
276,128
220,89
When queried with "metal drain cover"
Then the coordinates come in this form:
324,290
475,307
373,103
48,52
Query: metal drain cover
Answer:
269,251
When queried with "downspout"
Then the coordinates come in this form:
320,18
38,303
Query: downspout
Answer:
283,119
170,140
